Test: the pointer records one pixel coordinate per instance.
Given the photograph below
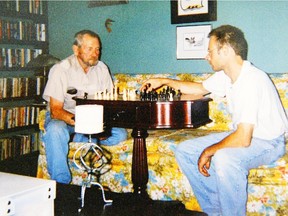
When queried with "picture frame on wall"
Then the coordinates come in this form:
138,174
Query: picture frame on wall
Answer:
192,41
100,3
187,11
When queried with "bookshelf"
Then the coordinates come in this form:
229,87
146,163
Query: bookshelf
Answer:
23,37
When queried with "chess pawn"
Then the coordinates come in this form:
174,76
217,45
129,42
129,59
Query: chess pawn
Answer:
179,94
105,93
115,90
100,95
124,93
170,97
96,95
132,95
128,93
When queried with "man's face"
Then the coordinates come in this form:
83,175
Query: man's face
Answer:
88,53
214,55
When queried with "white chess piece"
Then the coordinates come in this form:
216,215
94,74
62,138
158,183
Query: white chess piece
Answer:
100,95
170,97
115,90
132,95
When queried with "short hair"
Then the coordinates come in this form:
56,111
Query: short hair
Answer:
233,36
78,37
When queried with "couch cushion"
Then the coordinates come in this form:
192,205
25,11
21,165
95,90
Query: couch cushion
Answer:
161,143
272,174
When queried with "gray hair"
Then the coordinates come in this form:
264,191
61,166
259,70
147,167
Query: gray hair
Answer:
78,38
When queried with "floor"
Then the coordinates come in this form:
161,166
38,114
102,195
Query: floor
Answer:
68,201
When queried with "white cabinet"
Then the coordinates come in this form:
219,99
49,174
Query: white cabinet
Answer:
26,196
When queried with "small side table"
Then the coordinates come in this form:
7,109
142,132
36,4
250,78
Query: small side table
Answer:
26,196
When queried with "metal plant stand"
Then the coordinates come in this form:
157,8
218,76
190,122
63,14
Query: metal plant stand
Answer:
90,157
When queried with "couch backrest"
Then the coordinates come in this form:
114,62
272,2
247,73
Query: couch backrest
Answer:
218,107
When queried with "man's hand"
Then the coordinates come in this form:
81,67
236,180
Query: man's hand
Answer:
57,112
151,84
240,138
204,163
186,87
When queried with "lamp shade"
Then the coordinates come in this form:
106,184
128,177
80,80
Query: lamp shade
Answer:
43,60
89,119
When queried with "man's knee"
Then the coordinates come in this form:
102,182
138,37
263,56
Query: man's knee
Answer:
183,151
56,133
120,133
224,160
57,128
117,135
184,147
55,125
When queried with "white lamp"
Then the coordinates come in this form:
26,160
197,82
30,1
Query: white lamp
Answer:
89,119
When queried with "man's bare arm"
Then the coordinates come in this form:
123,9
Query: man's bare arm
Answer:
240,138
57,112
184,86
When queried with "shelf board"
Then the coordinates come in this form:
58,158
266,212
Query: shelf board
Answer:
19,130
39,18
17,43
29,99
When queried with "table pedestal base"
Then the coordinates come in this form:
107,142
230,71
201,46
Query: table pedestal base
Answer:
139,162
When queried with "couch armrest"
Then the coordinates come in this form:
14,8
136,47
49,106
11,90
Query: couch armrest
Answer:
41,119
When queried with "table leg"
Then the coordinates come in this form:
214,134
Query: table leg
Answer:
139,161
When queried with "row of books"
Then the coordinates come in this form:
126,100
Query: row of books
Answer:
13,117
18,145
27,6
10,58
22,30
12,87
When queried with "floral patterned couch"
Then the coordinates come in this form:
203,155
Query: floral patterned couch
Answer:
268,185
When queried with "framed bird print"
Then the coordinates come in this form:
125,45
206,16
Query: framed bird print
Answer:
192,41
187,11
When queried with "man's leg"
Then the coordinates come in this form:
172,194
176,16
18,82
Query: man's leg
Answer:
56,138
117,135
204,188
232,170
225,191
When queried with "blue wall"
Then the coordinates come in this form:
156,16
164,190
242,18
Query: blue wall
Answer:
143,39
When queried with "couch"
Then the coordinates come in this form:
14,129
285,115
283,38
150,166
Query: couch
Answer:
268,184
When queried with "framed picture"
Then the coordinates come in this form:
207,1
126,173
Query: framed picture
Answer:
187,11
192,41
99,3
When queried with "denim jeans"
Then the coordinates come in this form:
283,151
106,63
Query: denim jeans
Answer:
56,138
224,192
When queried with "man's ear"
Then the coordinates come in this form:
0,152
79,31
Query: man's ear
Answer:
228,49
224,49
75,49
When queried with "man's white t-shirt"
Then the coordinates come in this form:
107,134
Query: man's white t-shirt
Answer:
68,74
252,99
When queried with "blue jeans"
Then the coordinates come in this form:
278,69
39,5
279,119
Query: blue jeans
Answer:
224,192
56,138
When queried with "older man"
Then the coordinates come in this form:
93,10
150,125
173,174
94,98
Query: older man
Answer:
79,73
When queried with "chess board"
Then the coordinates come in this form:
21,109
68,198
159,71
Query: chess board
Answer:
166,94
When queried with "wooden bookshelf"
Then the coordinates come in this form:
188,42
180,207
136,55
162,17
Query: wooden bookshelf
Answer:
23,37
